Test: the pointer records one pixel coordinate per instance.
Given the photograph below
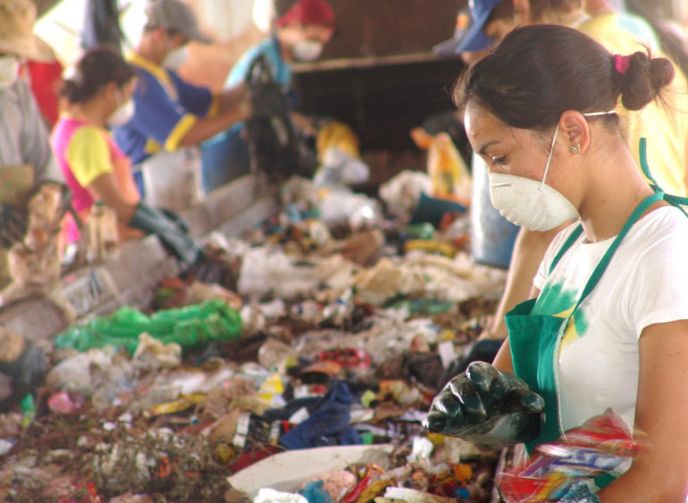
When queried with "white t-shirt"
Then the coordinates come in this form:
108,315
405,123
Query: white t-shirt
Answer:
645,283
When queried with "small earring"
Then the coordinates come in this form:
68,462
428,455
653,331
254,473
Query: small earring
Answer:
575,149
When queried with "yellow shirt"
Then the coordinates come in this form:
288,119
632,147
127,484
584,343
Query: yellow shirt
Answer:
663,123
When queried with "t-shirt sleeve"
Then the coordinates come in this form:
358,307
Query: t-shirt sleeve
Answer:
88,155
158,117
657,290
195,99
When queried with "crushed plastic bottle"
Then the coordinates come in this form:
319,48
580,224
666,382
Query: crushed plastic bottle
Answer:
191,327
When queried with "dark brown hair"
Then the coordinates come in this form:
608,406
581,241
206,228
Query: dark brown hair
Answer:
539,71
97,68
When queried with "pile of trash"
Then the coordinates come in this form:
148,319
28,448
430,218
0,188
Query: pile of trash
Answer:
295,366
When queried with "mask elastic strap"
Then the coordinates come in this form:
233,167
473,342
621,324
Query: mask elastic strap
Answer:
554,141
551,153
596,114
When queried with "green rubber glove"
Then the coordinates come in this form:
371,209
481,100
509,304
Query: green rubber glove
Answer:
487,407
171,232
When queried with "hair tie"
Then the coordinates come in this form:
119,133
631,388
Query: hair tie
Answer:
621,63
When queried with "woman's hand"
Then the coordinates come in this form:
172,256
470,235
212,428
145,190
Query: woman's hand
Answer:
486,406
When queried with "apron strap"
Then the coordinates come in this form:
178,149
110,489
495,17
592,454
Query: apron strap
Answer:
606,259
676,201
567,244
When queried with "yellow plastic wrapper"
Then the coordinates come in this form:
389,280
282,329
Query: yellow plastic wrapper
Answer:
184,402
448,171
337,134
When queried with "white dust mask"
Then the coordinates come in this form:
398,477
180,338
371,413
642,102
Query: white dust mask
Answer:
307,50
175,59
9,71
123,114
530,203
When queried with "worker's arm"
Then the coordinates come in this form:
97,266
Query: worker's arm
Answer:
192,120
35,145
105,188
230,99
660,472
207,127
503,360
529,250
303,123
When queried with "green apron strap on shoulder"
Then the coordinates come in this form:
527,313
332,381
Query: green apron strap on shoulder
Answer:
677,201
606,259
565,247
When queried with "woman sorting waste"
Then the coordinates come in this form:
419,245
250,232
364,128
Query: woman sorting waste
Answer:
607,324
98,94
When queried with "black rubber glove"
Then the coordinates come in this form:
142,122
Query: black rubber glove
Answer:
172,234
13,224
176,218
25,371
487,407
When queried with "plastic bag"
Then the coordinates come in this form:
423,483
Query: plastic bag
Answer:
190,327
595,453
448,171
402,193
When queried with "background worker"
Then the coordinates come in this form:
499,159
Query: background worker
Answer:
170,113
99,94
298,35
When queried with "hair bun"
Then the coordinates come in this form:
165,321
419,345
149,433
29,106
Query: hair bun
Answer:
644,79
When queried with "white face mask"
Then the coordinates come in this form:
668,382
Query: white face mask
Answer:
176,58
529,203
123,114
307,50
9,68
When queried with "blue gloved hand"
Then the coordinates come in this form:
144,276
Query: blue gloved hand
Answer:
579,493
487,407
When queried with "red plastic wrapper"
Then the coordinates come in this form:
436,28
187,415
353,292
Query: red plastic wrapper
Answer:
602,446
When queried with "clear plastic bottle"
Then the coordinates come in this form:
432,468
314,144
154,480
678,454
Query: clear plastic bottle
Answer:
102,233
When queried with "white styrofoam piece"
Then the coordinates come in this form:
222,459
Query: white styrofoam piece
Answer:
288,471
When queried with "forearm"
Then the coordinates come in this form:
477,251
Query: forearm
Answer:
207,127
104,188
231,99
645,482
503,360
303,123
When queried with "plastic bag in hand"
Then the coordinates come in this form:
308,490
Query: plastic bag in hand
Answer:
488,407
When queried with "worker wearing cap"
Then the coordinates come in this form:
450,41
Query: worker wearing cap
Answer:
298,35
170,113
664,125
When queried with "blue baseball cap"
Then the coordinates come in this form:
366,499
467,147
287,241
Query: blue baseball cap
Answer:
447,49
475,38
